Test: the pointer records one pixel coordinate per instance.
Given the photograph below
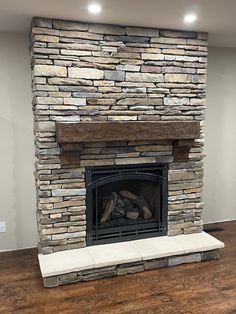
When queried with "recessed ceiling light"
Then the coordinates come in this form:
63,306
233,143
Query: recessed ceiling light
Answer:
190,18
94,8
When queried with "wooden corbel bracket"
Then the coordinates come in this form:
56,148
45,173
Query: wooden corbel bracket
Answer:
70,154
181,150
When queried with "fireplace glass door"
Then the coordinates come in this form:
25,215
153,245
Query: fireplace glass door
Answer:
125,203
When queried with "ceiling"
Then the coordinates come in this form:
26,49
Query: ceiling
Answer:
215,16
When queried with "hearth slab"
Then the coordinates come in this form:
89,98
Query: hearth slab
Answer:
65,262
198,242
113,254
158,247
126,252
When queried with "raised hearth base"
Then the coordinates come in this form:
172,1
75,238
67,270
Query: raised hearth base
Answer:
108,260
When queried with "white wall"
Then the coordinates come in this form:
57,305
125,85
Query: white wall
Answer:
17,189
17,193
220,162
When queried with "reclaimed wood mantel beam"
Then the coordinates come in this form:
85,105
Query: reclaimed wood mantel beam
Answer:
126,131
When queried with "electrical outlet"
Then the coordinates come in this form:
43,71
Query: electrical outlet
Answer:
2,226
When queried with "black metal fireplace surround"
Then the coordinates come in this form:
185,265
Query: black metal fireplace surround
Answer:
126,202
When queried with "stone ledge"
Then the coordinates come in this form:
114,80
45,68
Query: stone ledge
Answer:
128,268
127,257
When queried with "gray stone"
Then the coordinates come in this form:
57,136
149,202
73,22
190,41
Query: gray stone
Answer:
67,192
159,263
208,255
127,39
178,34
50,282
106,29
46,51
69,278
124,270
99,275
44,126
191,258
70,26
141,31
41,22
114,75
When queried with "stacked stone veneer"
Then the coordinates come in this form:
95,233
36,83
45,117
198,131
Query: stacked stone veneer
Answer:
88,72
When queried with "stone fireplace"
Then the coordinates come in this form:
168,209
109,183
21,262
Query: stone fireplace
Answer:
118,124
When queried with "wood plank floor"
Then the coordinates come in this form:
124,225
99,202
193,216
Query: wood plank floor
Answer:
206,287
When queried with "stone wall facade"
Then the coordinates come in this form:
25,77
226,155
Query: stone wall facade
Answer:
93,72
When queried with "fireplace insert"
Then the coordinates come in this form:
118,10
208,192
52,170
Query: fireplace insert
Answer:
126,202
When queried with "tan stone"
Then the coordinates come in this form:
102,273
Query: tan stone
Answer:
53,230
166,40
85,35
46,38
94,162
144,77
75,101
69,81
135,160
50,70
178,78
153,148
85,73
122,118
44,31
68,203
179,175
71,52
183,225
140,101
152,56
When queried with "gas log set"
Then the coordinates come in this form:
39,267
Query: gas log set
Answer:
125,205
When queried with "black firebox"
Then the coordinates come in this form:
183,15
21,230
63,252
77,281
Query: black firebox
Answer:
126,202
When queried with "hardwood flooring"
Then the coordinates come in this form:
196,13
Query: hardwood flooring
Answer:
199,288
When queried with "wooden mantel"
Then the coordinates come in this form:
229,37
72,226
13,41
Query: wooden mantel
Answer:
71,136
125,131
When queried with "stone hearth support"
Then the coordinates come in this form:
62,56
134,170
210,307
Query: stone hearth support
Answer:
108,260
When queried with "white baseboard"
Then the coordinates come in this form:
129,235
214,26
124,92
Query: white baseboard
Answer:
218,221
18,249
